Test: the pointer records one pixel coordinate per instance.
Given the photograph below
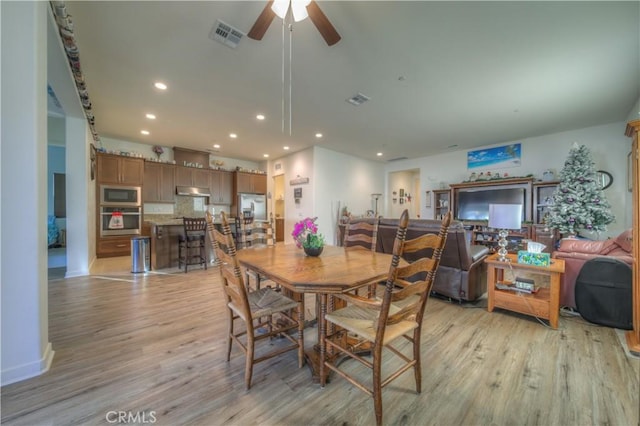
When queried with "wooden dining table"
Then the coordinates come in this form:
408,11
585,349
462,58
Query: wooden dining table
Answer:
335,271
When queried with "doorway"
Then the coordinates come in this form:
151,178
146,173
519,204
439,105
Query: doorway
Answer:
404,187
278,207
56,194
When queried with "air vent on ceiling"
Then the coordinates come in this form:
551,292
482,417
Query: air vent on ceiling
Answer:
226,34
358,99
397,159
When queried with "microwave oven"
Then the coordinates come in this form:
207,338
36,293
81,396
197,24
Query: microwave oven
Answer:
111,195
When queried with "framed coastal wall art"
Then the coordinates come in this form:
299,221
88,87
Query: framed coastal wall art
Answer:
496,158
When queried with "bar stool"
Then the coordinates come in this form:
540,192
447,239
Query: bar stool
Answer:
191,245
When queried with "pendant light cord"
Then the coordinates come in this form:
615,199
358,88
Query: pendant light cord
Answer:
284,113
290,71
282,106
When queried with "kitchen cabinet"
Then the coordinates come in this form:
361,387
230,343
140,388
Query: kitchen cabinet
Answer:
250,182
120,170
159,183
113,246
164,245
220,186
279,229
191,176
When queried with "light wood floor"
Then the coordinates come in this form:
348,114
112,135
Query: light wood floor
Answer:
152,345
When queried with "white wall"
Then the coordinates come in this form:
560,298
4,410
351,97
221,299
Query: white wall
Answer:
607,143
634,113
298,164
335,179
345,179
26,350
81,208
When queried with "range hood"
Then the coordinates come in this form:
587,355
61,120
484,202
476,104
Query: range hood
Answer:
193,191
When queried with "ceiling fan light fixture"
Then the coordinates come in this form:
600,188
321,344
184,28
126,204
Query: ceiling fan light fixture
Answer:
280,8
298,8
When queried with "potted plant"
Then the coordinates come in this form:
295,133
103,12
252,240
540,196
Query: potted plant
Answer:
306,236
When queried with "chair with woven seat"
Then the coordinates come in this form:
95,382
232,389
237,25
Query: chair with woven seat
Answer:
362,235
381,321
191,244
264,312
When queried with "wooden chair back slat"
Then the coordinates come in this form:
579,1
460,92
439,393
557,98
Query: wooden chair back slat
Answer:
361,234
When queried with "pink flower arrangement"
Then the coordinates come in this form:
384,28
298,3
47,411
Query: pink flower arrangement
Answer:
158,150
305,233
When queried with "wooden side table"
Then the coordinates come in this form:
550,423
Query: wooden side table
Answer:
543,304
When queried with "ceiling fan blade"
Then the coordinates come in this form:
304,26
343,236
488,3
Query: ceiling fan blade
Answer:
320,20
262,23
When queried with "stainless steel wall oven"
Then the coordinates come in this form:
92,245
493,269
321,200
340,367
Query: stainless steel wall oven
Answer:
120,220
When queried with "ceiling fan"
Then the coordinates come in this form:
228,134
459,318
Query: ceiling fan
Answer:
300,9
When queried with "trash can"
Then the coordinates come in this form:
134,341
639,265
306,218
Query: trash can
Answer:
140,254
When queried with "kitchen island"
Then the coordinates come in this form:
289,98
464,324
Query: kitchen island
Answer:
164,235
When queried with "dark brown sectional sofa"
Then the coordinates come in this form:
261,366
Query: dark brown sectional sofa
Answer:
461,274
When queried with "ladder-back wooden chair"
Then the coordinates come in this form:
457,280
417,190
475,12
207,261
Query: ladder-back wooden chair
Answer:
263,309
362,235
244,223
260,234
381,321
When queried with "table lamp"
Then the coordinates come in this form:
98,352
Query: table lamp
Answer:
504,217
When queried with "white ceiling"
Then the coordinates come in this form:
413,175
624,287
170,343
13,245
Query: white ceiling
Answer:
438,74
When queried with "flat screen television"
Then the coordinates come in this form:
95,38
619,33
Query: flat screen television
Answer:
473,204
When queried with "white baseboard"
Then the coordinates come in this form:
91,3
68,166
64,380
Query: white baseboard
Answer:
71,274
27,371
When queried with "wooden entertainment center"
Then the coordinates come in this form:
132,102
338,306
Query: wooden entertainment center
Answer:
537,199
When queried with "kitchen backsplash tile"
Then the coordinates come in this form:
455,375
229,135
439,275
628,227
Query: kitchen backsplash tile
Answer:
190,206
185,206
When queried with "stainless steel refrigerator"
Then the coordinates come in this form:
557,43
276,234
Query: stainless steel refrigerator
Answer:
253,203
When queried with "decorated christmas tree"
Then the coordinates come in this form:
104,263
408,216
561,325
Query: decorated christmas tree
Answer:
579,202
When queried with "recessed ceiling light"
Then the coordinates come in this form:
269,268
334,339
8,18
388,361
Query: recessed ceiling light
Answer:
144,132
318,135
160,85
286,148
379,154
151,116
265,155
233,135
260,117
216,146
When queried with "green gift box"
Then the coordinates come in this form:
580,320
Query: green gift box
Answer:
537,259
